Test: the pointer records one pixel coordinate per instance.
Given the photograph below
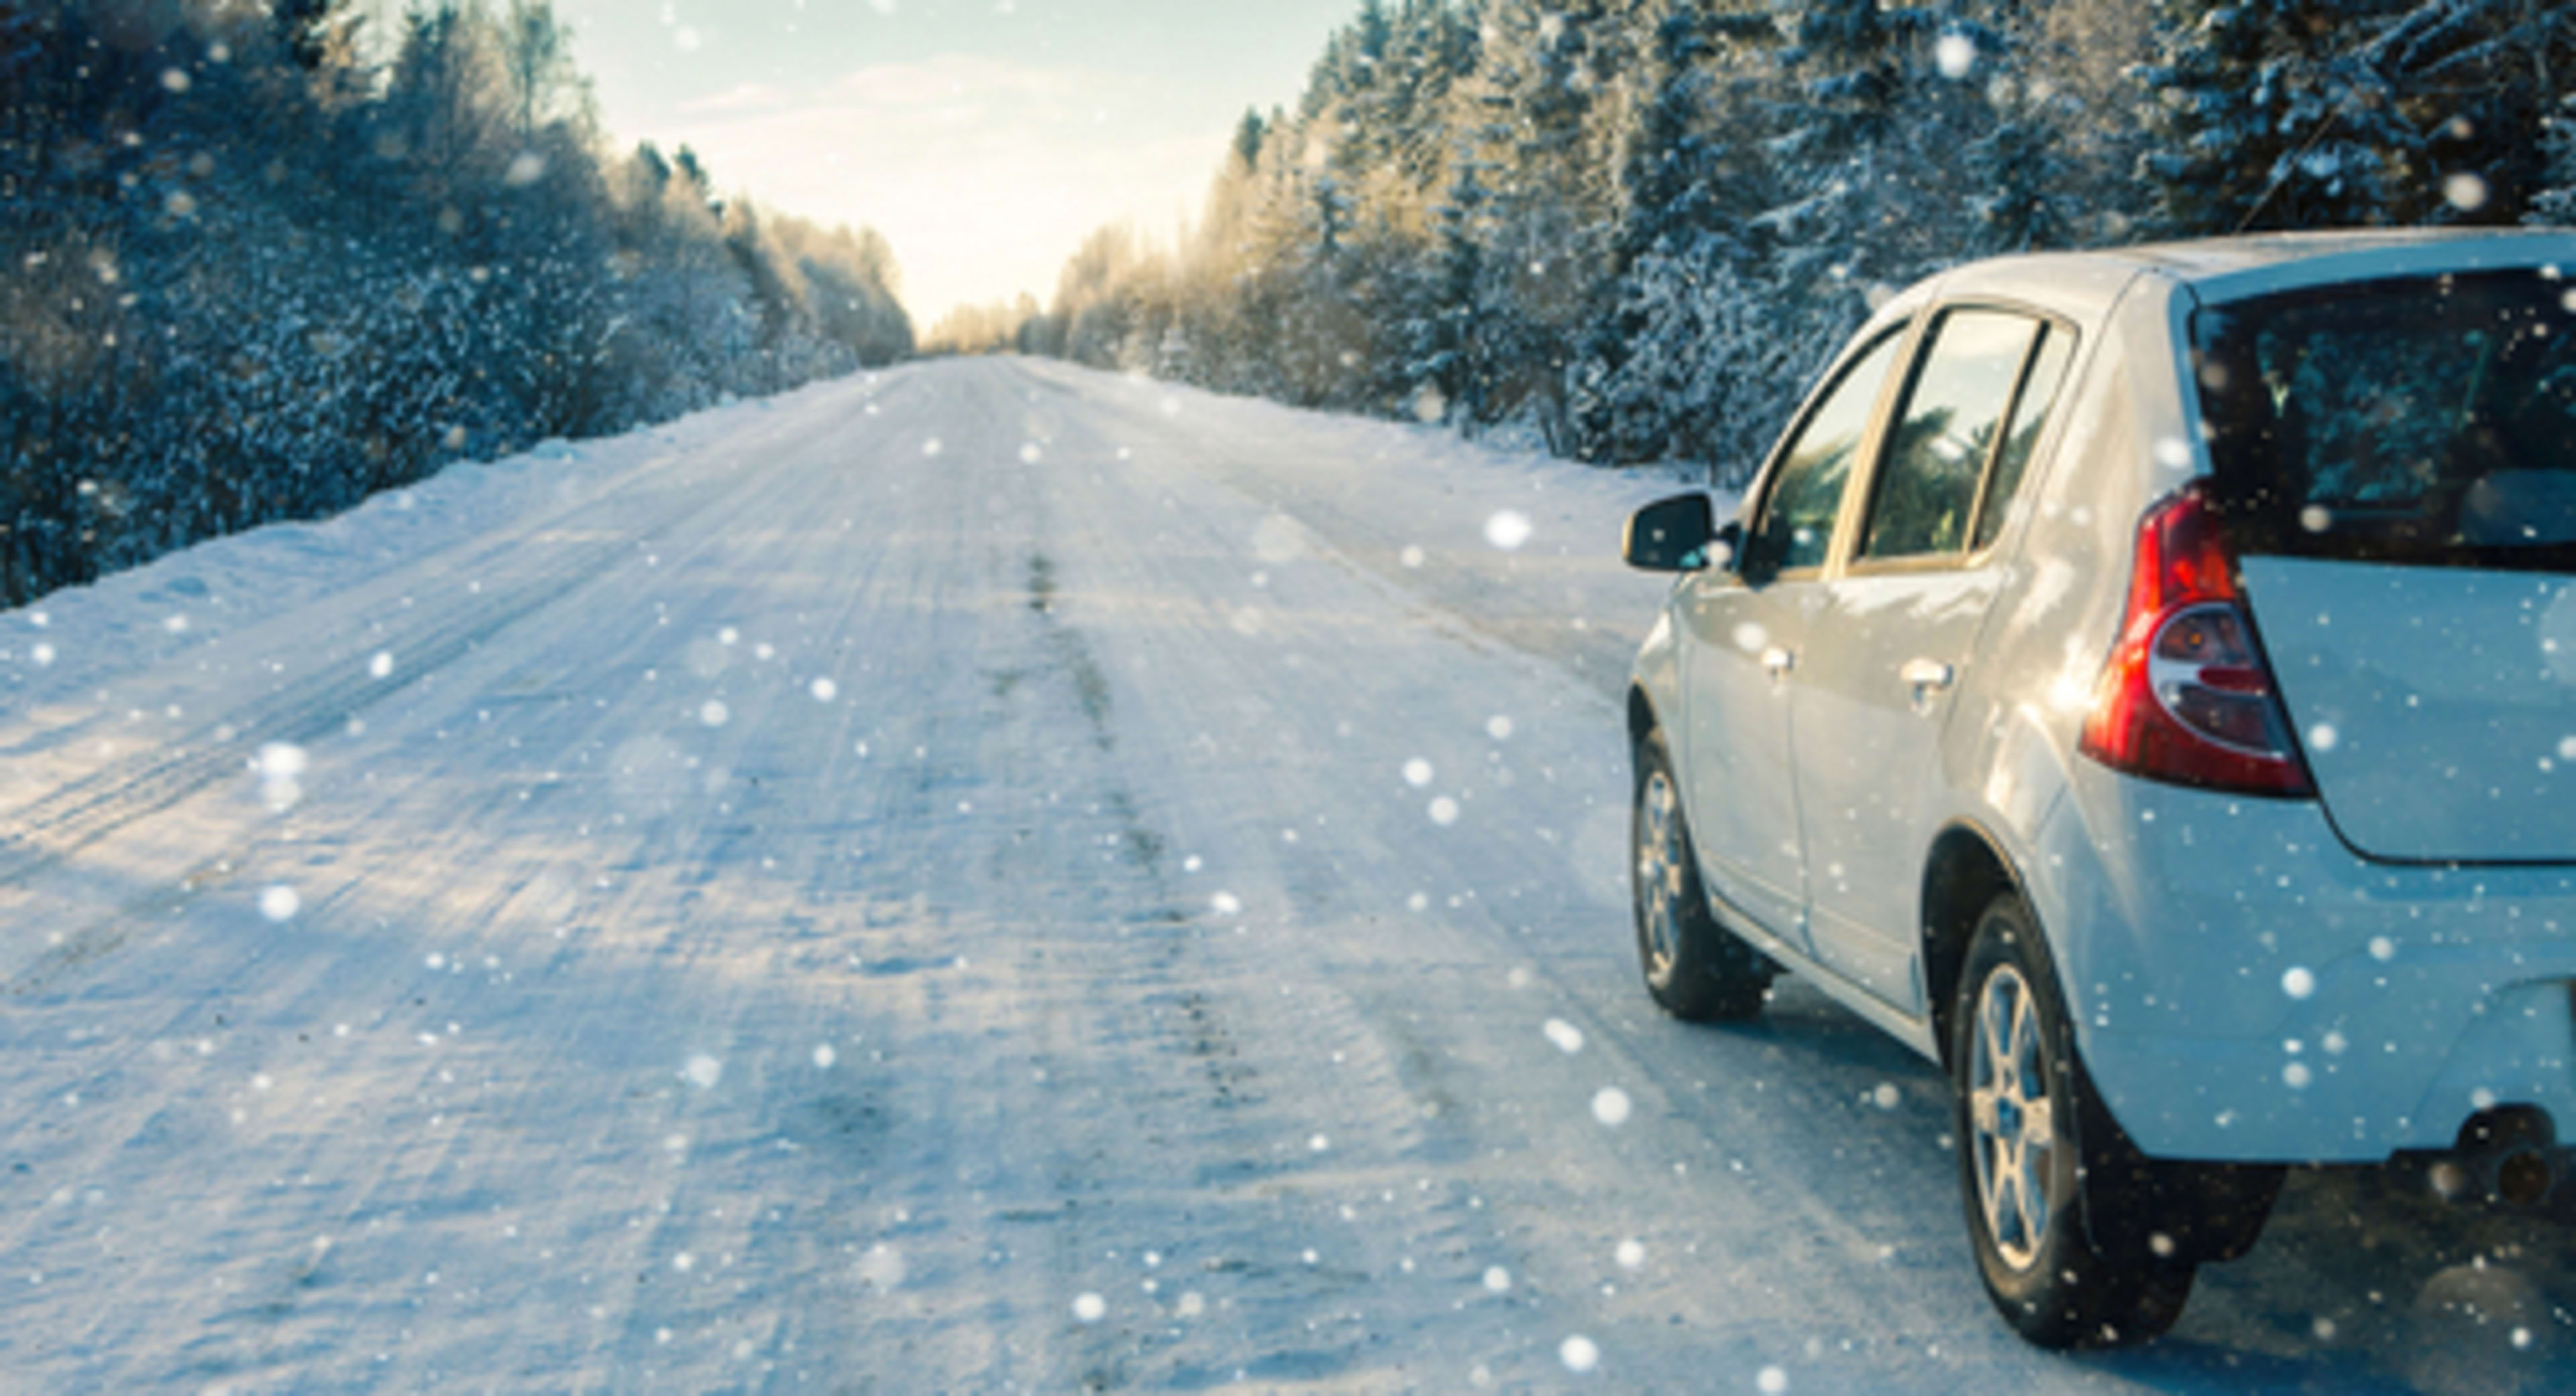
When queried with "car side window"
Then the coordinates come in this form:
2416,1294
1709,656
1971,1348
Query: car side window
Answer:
1796,525
1947,434
2030,416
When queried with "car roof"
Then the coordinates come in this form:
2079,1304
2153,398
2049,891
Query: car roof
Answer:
2210,258
2085,286
2222,269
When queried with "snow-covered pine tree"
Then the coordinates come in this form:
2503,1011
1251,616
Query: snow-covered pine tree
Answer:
1688,185
2275,114
2477,79
252,279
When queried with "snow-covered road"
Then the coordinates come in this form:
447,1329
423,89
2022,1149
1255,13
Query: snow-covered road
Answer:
990,877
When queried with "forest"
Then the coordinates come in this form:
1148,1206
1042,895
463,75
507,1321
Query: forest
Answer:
267,258
262,261
1630,229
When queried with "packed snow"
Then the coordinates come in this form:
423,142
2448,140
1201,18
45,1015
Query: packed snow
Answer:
985,877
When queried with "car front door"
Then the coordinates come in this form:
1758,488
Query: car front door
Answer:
1895,629
1746,624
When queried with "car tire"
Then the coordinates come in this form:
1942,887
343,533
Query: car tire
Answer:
2067,1219
1695,968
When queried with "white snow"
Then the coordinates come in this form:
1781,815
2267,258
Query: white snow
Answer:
975,1027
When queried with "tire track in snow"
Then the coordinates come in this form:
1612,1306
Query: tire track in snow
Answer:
44,835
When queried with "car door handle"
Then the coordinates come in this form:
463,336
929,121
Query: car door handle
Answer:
1777,662
1925,677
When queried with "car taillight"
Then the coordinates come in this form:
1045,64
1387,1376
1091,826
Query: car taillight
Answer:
2187,696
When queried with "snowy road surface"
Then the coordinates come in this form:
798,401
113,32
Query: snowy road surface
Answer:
990,877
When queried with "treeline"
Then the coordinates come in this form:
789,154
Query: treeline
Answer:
260,263
1632,227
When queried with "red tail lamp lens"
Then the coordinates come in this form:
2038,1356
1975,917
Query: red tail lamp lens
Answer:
2187,696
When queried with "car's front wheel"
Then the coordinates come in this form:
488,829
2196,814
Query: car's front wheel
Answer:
1695,968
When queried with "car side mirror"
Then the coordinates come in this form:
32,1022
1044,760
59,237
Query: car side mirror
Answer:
1680,534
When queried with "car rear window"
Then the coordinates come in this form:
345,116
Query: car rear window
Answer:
2427,421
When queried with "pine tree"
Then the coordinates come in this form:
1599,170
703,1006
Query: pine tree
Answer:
2477,78
307,28
2397,113
250,279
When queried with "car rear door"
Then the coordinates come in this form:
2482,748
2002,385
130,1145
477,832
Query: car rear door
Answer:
1746,631
1894,632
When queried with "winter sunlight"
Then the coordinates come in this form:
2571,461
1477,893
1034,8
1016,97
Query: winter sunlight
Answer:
899,696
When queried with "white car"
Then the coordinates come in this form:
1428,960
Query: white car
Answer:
2144,682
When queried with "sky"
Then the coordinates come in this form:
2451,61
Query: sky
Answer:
983,138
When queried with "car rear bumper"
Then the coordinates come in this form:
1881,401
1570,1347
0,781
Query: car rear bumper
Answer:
2248,989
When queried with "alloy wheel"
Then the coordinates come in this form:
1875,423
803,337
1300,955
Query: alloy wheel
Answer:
1659,871
2011,1119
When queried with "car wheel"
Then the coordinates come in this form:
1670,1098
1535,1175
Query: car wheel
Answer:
2063,1213
1695,968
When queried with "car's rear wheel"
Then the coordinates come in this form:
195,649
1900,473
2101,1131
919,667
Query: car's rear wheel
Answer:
1695,968
2071,1245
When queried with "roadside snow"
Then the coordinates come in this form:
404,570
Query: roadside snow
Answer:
988,877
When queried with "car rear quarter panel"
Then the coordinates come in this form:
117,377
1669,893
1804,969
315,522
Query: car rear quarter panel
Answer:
2011,755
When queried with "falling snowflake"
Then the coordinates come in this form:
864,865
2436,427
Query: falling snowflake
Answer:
1611,1106
280,764
882,1268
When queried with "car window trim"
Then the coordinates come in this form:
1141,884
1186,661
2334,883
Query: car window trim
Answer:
1864,451
1847,552
2049,326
